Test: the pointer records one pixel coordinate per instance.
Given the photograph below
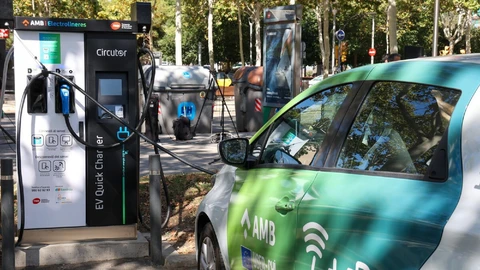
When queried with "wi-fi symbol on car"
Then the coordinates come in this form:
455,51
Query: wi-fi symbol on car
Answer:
314,239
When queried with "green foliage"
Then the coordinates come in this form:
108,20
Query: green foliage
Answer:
56,9
310,37
115,9
415,24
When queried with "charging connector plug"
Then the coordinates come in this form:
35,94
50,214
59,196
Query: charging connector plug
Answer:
65,97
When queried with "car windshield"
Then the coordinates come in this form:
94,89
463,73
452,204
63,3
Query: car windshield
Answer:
222,75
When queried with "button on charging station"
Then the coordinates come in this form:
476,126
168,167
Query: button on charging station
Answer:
58,99
37,95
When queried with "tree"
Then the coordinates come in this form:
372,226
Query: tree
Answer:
455,20
454,24
470,8
240,32
468,33
57,9
392,26
210,34
254,9
322,15
178,32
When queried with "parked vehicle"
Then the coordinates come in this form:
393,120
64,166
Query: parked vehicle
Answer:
224,79
317,79
374,168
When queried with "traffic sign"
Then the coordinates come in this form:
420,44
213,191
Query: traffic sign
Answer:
340,34
4,33
372,51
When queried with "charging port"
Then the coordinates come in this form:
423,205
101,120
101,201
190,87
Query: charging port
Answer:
58,98
37,95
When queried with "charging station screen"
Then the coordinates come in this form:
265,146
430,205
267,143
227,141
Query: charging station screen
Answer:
112,91
110,87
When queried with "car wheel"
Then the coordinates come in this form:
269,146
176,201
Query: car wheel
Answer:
209,256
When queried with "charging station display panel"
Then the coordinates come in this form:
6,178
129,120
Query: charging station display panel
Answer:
112,173
112,93
51,163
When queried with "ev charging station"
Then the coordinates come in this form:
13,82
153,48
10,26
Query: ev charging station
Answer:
71,191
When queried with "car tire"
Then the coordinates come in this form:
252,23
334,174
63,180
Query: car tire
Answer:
209,255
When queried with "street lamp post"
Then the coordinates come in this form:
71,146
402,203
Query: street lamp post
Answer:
199,53
250,22
435,28
373,35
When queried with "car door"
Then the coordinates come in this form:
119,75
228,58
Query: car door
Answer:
388,187
262,215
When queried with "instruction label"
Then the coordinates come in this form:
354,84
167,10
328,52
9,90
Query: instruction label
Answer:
50,48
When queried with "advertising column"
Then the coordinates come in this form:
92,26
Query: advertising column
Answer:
282,59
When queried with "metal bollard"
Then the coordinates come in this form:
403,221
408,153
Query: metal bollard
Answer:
155,210
8,230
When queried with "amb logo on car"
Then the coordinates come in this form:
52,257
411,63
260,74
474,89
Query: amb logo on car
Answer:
263,229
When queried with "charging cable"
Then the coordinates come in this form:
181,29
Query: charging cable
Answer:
65,99
3,89
19,158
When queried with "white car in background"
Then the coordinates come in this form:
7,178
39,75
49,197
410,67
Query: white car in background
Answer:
317,79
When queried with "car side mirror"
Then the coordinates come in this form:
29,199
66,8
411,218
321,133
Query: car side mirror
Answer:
234,151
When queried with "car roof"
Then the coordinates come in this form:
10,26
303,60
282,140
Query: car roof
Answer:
455,71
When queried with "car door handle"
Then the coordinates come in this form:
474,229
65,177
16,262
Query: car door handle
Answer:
285,205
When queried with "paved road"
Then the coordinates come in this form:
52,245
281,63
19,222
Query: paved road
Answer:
201,150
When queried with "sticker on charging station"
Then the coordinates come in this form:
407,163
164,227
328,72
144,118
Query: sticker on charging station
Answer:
187,75
37,140
187,109
119,111
50,48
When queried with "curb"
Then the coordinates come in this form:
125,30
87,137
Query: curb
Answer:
176,260
172,258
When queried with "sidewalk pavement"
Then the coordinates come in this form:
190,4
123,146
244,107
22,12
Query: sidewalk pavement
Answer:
172,260
201,151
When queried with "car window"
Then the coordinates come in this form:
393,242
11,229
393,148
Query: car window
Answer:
296,136
398,128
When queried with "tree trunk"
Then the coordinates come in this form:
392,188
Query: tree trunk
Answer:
240,36
210,35
178,32
387,39
392,26
258,40
468,33
451,44
454,24
319,9
326,39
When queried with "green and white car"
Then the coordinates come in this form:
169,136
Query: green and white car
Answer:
377,167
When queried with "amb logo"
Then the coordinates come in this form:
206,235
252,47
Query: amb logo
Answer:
34,23
263,229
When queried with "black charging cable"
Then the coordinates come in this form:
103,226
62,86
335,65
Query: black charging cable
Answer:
45,73
19,157
155,144
148,95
